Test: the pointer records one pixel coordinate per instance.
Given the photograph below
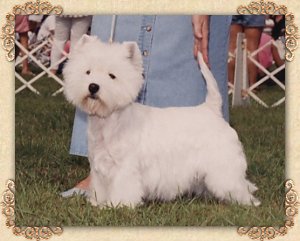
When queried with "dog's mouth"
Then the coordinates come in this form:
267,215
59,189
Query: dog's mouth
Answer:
95,105
93,97
91,102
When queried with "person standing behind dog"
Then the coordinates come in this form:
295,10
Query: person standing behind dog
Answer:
67,28
171,74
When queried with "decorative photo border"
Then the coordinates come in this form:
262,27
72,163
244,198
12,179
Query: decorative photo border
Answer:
45,7
291,210
42,7
261,233
269,7
8,210
8,30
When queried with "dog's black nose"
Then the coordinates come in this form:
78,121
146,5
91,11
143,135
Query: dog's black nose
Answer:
93,88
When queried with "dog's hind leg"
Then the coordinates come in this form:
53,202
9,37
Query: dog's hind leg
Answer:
231,188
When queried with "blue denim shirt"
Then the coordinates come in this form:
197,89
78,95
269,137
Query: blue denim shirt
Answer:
172,75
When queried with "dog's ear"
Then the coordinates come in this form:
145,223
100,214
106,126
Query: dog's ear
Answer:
81,42
84,40
134,54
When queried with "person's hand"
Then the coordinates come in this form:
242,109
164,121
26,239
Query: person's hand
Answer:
201,29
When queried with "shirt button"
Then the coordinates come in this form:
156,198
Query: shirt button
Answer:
145,53
148,28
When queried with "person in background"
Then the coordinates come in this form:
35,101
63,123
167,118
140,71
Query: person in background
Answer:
278,34
22,28
47,28
274,55
252,26
67,28
35,22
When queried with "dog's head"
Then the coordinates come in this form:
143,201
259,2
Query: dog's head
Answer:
101,77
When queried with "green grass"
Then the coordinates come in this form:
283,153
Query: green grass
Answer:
44,168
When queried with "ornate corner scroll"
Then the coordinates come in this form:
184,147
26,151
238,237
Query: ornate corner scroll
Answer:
291,210
269,7
291,33
37,233
8,29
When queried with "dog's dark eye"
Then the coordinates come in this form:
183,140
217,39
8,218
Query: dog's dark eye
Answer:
88,72
112,76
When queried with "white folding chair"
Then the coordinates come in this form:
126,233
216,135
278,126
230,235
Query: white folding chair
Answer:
45,70
268,75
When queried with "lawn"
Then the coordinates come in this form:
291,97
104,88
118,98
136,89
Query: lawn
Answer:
44,169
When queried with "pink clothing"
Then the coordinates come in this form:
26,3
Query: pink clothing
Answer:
265,56
67,46
21,24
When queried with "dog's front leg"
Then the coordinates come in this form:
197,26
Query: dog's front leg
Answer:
125,188
98,189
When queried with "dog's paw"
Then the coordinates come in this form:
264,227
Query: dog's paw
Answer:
255,202
93,201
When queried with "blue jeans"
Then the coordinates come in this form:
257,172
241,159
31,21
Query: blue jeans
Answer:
249,20
172,75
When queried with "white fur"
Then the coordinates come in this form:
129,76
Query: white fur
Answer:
139,152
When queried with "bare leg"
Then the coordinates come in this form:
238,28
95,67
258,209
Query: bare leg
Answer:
24,42
84,184
253,38
234,30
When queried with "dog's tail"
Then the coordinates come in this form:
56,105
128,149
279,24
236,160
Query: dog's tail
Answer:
213,97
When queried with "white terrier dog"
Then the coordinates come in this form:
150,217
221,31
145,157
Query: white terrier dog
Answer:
138,152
